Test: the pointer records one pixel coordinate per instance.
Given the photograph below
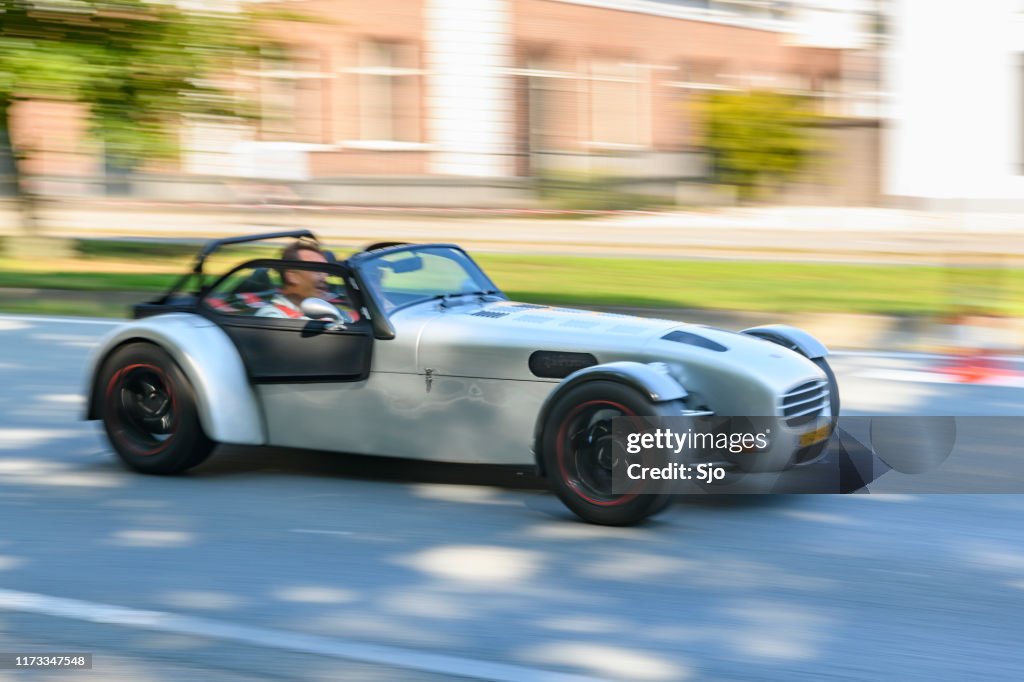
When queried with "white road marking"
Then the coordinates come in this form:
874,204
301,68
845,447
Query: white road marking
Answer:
165,622
931,377
914,375
886,354
322,532
906,355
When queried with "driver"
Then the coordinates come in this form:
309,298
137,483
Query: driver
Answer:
302,284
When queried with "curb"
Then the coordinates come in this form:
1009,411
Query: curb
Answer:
846,331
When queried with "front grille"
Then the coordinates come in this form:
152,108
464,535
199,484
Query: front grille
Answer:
805,402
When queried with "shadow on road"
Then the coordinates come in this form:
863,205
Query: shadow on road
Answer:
229,461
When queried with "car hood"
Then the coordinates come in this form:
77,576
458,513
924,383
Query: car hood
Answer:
496,340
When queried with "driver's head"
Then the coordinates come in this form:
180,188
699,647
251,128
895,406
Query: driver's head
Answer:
301,284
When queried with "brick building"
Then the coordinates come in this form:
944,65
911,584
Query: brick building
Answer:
483,89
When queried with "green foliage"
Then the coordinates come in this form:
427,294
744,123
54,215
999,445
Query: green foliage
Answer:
134,250
87,281
577,191
137,65
164,252
758,139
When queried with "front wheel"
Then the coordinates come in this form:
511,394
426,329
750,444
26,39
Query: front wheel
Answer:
149,411
578,455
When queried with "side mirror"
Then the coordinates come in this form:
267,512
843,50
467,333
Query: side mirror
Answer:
319,309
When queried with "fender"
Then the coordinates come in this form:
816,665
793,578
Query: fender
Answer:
228,409
790,337
652,380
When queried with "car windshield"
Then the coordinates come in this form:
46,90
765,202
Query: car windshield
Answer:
401,278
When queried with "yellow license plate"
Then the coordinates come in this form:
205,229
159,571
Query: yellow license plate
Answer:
815,436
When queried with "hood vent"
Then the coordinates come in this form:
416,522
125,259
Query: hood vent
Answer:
525,306
691,339
489,313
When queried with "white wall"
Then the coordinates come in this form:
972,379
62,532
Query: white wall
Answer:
837,24
469,99
954,74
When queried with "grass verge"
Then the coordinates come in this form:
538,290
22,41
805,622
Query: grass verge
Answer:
758,286
724,285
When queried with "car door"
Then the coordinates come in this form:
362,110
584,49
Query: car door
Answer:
276,342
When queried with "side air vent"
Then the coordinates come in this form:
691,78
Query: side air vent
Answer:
691,339
552,364
489,313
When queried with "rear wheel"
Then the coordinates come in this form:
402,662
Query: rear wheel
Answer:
149,411
578,455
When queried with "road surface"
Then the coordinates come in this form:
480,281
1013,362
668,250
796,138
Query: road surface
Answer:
272,564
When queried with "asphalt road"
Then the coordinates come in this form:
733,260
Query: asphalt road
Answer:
272,564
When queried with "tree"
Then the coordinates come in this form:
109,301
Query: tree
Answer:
758,139
136,66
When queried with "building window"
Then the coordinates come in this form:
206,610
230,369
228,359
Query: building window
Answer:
551,104
389,92
290,92
703,74
619,105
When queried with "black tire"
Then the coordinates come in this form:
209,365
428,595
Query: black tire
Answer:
149,412
833,386
578,476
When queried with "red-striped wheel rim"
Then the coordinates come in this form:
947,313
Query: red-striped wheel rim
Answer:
126,400
568,459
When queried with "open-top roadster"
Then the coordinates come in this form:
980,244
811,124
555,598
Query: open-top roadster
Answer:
412,351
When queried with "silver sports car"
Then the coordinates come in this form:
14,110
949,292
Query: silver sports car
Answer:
411,351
